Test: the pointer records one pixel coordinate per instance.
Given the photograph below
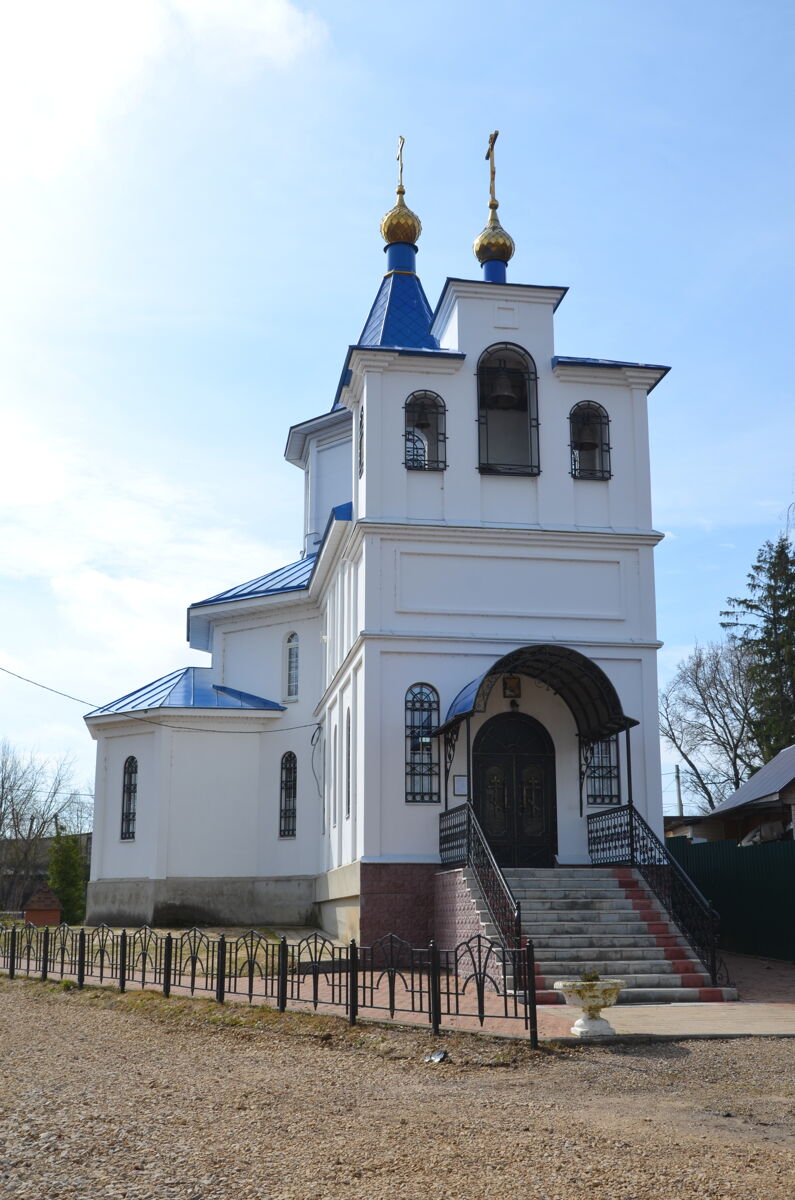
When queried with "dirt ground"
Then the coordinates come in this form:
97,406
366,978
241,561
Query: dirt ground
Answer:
137,1097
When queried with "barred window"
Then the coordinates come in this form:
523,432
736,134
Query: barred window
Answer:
422,748
361,441
287,795
425,437
602,781
508,412
589,427
291,667
129,797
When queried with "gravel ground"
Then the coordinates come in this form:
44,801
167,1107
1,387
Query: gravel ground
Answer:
105,1096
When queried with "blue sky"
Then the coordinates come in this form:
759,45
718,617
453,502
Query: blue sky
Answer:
190,194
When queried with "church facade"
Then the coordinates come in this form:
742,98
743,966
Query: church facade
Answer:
471,621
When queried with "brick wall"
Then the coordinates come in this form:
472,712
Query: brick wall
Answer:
456,917
397,898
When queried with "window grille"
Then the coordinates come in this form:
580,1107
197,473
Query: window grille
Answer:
508,412
287,795
589,427
129,798
425,432
292,666
602,782
348,764
422,747
361,441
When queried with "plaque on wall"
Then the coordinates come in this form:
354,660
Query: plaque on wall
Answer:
459,785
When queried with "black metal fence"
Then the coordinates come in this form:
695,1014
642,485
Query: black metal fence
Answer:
391,979
621,836
462,842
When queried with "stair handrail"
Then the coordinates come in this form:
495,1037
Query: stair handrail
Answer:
621,836
462,842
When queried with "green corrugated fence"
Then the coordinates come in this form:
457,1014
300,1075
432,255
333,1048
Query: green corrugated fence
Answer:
753,889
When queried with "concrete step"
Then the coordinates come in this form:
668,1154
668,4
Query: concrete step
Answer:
639,982
583,873
617,939
618,966
579,904
577,955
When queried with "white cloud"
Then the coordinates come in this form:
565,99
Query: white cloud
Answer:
67,67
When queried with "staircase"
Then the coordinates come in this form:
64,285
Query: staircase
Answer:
603,919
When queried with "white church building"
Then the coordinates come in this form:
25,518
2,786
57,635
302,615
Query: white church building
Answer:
471,621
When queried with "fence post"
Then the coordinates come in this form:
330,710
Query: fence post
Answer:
123,960
12,953
435,988
45,951
167,952
81,958
220,979
530,993
631,815
281,983
353,982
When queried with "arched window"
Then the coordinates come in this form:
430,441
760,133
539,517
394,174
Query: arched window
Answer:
508,412
287,795
361,441
129,797
291,666
602,783
425,436
422,748
589,427
348,763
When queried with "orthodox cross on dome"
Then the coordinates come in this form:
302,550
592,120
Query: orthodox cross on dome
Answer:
401,144
492,170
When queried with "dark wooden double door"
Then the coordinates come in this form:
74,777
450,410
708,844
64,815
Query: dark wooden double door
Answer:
513,769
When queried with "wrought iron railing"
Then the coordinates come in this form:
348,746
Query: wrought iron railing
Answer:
462,843
621,837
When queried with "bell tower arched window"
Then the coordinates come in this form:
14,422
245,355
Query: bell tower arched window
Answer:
422,748
425,436
589,427
129,798
508,412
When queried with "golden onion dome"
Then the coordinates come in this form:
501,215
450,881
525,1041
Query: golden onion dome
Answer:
401,224
493,242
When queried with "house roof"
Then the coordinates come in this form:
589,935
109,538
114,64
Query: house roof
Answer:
764,785
190,687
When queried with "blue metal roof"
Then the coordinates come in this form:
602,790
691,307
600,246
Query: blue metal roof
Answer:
400,316
766,783
614,363
292,578
191,687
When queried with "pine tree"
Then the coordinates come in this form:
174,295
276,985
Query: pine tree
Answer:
765,621
67,876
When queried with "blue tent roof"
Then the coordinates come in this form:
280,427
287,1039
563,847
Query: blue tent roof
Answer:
400,316
191,687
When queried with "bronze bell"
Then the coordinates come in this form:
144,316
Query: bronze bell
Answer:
503,394
587,437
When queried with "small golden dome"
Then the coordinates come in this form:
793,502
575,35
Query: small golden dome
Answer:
493,242
400,224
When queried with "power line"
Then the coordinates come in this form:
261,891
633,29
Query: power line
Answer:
148,720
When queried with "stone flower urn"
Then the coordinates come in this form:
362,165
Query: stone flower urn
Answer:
591,995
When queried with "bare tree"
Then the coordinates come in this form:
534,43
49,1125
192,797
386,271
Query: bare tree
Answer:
34,796
706,715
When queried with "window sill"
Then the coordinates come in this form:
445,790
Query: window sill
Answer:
522,472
